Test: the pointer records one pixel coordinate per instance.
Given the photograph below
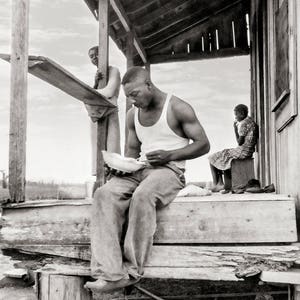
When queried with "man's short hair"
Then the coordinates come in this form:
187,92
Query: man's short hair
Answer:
242,108
134,74
93,48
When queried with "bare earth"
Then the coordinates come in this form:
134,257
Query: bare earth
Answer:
8,292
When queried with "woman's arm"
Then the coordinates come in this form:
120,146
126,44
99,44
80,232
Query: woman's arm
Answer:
240,139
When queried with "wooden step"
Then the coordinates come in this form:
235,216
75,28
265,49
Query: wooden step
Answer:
291,276
245,218
51,72
202,262
184,262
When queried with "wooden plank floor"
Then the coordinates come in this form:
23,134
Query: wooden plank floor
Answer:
61,228
246,218
211,198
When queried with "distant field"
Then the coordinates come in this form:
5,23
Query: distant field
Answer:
42,190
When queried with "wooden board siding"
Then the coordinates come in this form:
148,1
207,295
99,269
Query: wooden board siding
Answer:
284,125
211,219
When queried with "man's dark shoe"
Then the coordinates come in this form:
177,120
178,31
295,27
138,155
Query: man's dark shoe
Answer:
269,188
253,186
254,190
253,183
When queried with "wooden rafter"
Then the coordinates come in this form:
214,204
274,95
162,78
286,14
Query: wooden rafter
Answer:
169,11
177,32
190,16
156,58
204,26
174,24
120,12
138,13
123,18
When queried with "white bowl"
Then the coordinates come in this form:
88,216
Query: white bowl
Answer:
121,163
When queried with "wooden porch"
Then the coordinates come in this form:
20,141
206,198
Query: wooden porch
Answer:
207,238
216,238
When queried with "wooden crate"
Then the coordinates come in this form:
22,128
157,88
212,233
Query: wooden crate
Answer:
61,287
242,170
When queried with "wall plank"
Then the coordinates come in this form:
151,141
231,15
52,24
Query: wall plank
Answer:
210,219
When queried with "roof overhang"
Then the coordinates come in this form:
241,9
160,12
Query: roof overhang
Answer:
179,30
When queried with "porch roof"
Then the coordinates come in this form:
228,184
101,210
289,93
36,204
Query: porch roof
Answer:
178,30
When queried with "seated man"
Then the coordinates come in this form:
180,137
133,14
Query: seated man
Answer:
246,132
160,128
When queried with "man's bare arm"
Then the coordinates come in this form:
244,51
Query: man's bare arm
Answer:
113,84
109,91
192,130
133,146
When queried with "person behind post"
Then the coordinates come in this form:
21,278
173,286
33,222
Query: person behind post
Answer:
160,128
246,133
111,92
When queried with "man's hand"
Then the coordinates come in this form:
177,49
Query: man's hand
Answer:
98,77
158,157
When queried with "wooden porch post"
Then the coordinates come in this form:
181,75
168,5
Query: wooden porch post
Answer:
129,57
258,85
18,100
296,292
103,66
148,67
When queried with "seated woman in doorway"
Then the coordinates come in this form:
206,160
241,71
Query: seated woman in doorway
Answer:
246,132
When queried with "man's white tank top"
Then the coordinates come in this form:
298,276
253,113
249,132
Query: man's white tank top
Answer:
159,136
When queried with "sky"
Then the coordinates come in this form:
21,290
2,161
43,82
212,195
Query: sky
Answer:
58,138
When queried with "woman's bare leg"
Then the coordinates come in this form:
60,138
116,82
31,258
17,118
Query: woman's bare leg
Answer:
218,183
227,179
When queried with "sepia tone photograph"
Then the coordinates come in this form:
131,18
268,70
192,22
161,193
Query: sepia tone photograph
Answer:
149,149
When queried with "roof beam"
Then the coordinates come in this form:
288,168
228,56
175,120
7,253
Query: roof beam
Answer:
166,58
120,12
178,32
139,12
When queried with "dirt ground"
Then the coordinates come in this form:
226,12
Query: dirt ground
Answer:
10,289
14,293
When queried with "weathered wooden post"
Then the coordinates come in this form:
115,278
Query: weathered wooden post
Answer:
103,66
18,100
113,132
129,60
148,67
